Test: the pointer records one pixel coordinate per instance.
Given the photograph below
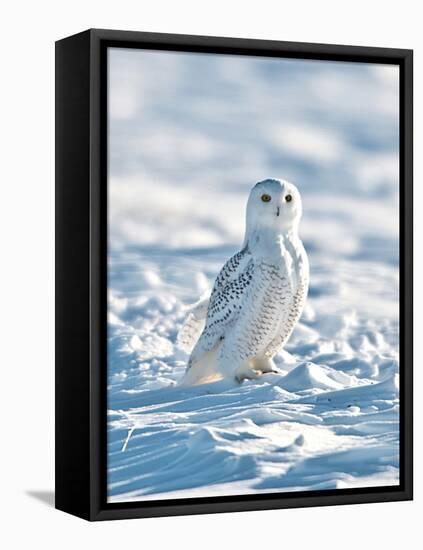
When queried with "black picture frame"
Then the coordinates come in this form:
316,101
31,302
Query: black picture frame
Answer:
81,273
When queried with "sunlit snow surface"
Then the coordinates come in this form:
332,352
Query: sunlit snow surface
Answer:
189,135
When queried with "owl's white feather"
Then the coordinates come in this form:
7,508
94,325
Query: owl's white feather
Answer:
193,325
258,295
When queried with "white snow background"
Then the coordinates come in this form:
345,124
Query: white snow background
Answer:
189,135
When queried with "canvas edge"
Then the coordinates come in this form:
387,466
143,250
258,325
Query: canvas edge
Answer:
72,214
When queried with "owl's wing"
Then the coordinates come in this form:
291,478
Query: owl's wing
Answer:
226,299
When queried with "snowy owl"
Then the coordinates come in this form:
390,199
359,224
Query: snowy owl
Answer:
257,297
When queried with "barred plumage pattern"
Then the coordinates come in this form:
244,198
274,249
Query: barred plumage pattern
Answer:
294,314
232,268
225,301
256,304
267,305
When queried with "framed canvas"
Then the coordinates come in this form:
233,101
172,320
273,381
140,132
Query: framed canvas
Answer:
233,274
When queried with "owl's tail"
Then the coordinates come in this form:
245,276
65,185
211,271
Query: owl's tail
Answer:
193,326
203,369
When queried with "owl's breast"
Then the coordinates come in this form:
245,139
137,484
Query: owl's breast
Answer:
288,294
277,289
294,263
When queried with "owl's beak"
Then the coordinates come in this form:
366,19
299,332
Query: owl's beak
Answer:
278,211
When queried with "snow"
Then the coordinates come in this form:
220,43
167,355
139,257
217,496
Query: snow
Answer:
189,136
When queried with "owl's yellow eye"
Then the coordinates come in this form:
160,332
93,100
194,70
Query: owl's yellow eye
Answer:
266,198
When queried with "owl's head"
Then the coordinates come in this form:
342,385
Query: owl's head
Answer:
274,204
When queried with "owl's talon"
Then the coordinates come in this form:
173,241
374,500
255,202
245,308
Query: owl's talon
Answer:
247,374
265,364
